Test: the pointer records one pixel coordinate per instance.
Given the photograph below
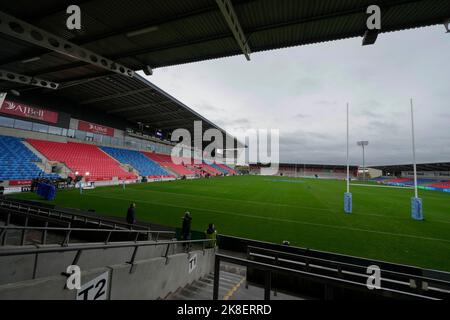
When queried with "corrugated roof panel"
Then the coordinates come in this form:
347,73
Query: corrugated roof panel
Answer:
188,31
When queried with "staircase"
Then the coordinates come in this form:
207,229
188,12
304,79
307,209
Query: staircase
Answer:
232,286
171,171
44,164
202,289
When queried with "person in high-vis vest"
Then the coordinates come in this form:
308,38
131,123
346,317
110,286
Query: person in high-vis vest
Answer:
211,233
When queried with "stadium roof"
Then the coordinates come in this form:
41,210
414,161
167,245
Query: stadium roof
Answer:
147,34
440,166
161,33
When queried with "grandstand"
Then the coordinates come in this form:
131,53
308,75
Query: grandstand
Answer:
431,176
309,170
74,107
96,163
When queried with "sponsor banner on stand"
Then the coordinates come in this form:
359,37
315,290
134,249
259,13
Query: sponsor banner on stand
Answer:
95,128
20,182
26,111
9,190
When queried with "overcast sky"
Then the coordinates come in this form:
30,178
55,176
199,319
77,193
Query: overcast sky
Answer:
303,91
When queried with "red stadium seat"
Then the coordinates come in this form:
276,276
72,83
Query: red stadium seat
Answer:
441,185
166,161
227,168
82,158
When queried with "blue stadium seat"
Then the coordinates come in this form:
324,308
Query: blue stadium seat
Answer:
17,162
420,181
137,160
215,166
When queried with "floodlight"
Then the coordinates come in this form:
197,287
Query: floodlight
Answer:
363,144
370,37
141,31
148,70
31,60
15,92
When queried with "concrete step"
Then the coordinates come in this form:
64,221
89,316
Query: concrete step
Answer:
202,289
231,287
210,283
208,289
45,163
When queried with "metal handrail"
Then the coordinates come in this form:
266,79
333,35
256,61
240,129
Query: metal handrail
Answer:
339,265
68,231
87,229
5,202
77,247
269,269
244,242
80,248
35,217
28,216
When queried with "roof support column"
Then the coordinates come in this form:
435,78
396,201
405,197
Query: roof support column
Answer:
232,20
24,31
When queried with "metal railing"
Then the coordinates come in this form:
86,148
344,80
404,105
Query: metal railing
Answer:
392,280
328,281
58,218
149,235
70,216
27,217
79,249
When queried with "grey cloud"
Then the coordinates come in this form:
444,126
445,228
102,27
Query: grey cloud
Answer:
325,103
303,92
301,116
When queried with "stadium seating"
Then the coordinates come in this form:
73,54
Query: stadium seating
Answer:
397,181
17,161
441,185
408,182
381,179
215,166
420,181
208,169
83,158
145,166
165,161
197,171
227,168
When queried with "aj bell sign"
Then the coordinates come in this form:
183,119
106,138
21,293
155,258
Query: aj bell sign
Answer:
27,111
95,128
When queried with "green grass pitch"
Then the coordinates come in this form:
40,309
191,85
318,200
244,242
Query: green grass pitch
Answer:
307,212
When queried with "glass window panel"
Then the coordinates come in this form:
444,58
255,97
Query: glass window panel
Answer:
24,125
54,130
98,137
106,139
81,135
6,122
40,127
